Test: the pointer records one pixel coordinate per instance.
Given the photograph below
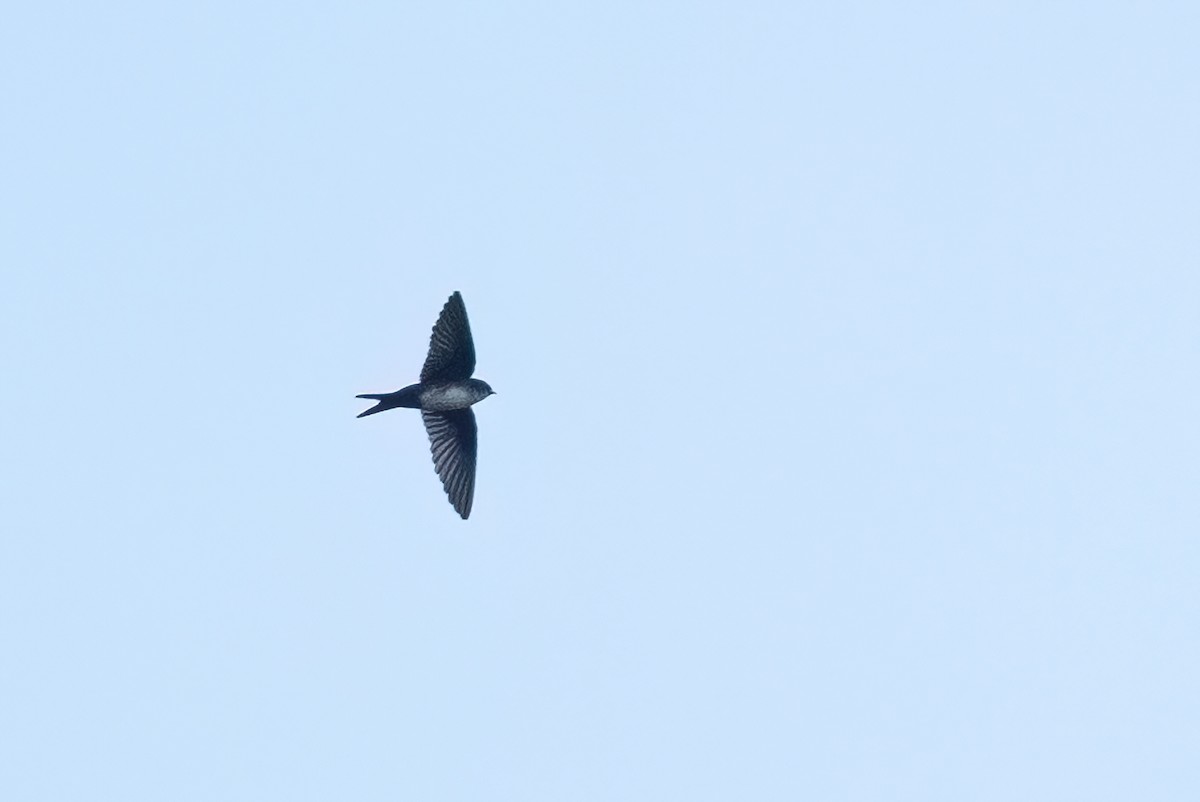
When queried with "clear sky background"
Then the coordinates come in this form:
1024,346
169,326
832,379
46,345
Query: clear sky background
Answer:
846,441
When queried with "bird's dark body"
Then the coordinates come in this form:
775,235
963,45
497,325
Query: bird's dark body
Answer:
445,395
434,396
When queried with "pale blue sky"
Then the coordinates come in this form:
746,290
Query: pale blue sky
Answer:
845,444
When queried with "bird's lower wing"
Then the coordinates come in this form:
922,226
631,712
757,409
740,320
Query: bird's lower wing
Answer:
453,439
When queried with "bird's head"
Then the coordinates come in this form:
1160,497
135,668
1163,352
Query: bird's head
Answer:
484,387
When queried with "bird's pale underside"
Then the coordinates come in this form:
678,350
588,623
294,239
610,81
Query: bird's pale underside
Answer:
445,395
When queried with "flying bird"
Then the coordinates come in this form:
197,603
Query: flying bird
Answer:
445,395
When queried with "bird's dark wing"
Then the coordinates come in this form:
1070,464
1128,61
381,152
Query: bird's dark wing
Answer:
451,349
453,439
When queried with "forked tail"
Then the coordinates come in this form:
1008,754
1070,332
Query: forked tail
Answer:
380,407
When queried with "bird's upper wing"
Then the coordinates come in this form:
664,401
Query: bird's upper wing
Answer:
453,440
451,349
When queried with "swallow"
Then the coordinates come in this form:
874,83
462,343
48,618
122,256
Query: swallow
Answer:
445,395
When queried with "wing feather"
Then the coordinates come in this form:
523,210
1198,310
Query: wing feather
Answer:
451,349
453,440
